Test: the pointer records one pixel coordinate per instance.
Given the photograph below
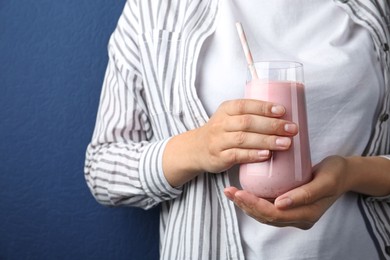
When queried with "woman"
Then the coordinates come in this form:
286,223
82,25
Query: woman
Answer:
168,132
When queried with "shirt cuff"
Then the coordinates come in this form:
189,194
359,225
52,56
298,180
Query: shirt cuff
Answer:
152,176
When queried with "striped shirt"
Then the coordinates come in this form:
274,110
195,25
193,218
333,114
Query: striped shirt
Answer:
149,95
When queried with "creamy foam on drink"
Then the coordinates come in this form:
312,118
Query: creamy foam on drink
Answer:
285,170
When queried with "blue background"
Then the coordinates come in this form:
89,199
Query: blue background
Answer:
52,60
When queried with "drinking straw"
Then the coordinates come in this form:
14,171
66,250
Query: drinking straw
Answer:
247,51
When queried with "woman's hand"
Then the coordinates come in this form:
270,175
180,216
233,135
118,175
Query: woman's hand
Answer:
240,131
301,207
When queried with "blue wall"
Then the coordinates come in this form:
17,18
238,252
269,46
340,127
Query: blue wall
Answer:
52,62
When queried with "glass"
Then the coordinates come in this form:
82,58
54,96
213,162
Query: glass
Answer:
280,82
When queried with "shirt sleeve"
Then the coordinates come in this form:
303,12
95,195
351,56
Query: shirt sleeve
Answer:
123,164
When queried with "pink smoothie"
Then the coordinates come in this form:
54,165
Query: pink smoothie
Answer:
286,169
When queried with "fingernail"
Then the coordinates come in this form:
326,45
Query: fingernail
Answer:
291,128
263,153
228,195
284,203
283,142
277,110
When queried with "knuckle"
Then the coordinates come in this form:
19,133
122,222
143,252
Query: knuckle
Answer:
246,122
252,156
240,105
240,138
231,157
265,108
307,196
275,126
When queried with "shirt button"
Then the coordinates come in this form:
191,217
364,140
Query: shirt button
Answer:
387,249
384,118
386,47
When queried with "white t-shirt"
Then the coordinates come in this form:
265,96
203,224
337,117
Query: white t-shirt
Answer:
343,83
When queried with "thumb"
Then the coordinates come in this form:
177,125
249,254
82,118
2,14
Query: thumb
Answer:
304,195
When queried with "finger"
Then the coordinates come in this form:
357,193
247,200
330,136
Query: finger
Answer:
251,106
230,192
260,124
246,140
265,212
305,195
258,208
238,156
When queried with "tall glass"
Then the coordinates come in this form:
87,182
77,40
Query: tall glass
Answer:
280,82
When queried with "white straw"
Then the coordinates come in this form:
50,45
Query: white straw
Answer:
247,51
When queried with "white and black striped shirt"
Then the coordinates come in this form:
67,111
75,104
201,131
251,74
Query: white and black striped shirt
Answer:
149,95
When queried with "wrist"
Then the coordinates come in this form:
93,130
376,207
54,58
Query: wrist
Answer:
352,178
179,159
368,175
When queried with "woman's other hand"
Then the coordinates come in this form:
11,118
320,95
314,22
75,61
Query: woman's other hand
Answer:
301,207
